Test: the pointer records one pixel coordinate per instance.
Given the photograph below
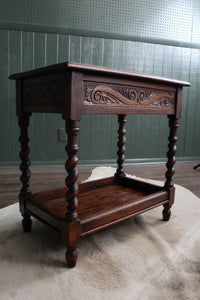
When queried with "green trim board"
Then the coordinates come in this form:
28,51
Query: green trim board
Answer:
111,162
101,34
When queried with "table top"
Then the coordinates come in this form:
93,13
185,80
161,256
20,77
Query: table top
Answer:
73,89
83,68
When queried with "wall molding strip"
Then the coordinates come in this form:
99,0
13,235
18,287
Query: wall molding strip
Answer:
98,34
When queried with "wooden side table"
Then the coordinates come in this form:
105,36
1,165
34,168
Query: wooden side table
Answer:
73,89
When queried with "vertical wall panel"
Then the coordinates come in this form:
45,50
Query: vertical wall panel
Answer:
63,48
118,62
39,49
145,142
167,59
196,147
84,136
39,119
86,50
74,48
63,56
96,121
4,98
159,148
108,53
109,121
190,136
134,123
15,53
129,56
131,131
185,75
27,63
119,54
27,50
176,73
51,134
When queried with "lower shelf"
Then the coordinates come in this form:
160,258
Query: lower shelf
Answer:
101,203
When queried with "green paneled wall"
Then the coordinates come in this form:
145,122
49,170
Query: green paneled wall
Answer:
146,135
153,37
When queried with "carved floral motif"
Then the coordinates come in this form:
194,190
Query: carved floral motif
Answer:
107,94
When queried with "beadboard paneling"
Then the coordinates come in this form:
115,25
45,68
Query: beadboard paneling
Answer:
146,135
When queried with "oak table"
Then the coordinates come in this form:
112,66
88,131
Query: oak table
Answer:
73,89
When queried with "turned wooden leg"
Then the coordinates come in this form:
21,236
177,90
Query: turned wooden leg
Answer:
121,148
25,192
71,257
166,212
26,222
71,224
169,185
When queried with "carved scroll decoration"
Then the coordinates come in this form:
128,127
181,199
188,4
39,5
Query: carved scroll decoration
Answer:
106,94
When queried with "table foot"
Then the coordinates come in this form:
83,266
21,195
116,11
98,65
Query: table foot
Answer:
166,212
71,257
27,223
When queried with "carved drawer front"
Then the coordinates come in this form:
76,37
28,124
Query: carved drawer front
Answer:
44,94
101,94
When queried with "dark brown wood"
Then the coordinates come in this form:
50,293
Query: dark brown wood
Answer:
71,224
89,69
19,91
75,89
185,176
179,102
103,95
25,192
169,185
45,93
121,145
114,200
